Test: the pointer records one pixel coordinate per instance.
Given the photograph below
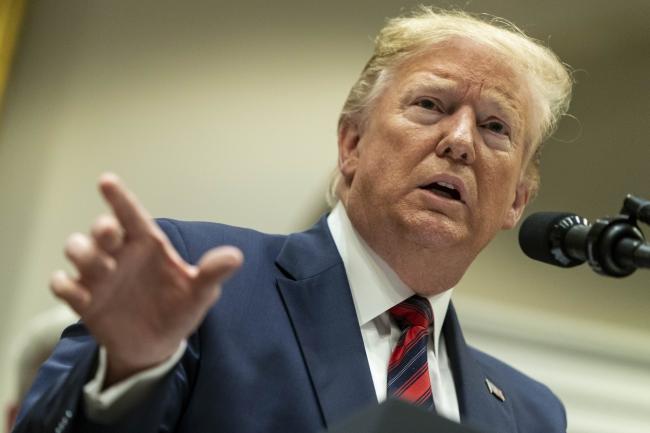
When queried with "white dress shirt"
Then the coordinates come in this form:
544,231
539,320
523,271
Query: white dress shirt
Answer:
375,289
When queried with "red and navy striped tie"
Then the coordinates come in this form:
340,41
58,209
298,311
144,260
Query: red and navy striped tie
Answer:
408,371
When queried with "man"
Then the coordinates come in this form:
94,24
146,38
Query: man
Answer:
34,344
438,151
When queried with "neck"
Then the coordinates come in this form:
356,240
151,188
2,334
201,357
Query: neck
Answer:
426,269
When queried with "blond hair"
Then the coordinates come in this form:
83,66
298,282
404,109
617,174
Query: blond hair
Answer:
403,37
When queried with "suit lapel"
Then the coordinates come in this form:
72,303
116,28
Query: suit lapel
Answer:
319,303
478,406
317,297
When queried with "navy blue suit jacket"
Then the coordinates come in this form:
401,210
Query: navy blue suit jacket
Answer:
281,351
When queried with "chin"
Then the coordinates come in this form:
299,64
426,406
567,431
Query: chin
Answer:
430,229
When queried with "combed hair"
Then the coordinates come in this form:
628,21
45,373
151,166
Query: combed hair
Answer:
403,37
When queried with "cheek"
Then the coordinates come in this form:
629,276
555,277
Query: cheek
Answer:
384,156
499,183
378,176
391,151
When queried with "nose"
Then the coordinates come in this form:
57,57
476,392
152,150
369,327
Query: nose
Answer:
458,141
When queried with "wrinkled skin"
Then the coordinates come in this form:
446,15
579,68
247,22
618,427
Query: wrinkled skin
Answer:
457,112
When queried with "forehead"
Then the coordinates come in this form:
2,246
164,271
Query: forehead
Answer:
464,66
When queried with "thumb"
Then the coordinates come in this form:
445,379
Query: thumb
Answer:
215,267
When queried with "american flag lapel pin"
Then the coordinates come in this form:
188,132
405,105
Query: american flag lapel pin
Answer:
495,390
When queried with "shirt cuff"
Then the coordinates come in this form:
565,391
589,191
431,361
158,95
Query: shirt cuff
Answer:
107,405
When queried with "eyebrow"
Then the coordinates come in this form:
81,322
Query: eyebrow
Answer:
439,81
504,102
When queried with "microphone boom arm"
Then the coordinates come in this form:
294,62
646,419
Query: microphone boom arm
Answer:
613,246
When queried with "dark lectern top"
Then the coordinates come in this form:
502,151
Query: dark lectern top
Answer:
394,416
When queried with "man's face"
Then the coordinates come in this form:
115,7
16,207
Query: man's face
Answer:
440,159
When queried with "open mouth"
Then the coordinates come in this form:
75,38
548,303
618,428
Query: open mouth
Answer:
444,189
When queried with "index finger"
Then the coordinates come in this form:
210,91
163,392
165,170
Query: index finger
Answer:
129,212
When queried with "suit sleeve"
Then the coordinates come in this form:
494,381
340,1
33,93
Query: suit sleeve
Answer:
54,403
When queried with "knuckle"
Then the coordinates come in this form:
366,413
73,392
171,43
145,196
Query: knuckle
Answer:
109,264
57,285
158,239
56,292
108,238
104,219
75,244
53,285
99,226
107,223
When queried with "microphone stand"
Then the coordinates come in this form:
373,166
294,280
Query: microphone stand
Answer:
615,245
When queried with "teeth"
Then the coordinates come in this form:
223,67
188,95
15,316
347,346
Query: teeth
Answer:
446,185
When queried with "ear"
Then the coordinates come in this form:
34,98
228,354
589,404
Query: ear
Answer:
522,197
349,137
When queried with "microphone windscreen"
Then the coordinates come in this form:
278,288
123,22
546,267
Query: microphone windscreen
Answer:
541,233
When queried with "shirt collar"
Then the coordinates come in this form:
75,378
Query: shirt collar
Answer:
374,285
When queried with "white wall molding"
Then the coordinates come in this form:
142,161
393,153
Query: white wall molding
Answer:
601,372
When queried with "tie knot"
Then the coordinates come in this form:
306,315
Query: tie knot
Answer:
414,311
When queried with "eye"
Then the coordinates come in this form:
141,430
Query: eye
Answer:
496,127
429,104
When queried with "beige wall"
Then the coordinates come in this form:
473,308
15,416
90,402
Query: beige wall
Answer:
227,112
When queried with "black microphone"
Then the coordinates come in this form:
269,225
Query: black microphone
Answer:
543,237
612,246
